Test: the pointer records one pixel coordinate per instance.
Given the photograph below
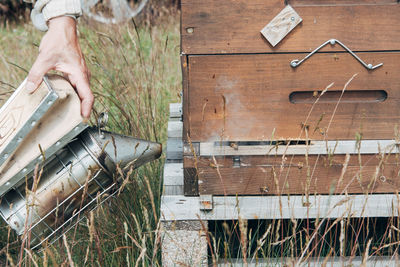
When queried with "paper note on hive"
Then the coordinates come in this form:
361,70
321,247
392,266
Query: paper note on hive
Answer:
281,25
48,118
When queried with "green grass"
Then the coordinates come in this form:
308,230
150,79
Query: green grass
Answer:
135,74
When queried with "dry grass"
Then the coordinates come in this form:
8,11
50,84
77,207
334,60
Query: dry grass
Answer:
135,75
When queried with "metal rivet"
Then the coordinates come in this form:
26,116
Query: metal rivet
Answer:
33,123
332,41
58,143
8,183
370,66
19,140
190,30
5,156
24,170
292,18
50,102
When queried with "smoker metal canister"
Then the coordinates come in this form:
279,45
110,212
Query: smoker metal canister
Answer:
76,179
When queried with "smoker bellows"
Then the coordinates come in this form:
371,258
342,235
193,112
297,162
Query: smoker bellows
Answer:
78,162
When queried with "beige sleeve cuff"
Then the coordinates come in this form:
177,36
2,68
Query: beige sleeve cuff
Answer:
56,8
44,10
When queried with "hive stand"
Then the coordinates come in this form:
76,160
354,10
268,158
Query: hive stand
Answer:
185,218
184,242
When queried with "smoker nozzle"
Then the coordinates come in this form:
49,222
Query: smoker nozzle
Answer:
112,150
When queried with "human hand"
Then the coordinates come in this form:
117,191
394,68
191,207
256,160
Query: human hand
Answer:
59,50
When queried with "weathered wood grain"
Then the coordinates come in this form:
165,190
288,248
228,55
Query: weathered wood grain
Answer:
292,148
232,26
296,175
281,207
62,118
185,95
338,3
246,97
281,25
17,111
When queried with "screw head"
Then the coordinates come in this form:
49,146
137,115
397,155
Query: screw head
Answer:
332,41
369,66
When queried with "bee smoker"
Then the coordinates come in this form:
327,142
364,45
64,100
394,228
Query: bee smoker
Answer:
75,178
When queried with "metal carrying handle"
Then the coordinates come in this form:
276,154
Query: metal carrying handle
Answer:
295,62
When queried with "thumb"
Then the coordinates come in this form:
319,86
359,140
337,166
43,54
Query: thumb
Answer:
35,76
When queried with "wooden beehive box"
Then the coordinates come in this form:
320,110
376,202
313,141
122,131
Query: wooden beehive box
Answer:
254,124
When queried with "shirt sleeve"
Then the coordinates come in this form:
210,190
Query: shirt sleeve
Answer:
44,10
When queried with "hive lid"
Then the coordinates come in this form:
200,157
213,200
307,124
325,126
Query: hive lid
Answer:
35,126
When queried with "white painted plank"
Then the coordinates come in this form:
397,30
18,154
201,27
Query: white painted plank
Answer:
172,190
173,179
315,148
175,129
174,149
269,207
175,110
173,174
314,262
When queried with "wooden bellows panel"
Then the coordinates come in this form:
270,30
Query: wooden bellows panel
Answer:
61,119
233,26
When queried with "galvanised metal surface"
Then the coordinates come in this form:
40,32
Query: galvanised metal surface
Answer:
19,178
76,179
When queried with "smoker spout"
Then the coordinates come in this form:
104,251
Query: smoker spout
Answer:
123,151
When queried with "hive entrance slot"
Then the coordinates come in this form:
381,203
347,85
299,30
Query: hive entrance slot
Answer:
263,143
352,96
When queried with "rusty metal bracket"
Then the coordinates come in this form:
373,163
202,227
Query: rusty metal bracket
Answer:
206,202
296,62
